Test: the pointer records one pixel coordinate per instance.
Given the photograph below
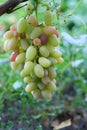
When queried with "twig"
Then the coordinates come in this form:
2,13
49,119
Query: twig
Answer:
9,6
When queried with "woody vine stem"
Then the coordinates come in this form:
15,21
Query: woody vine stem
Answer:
10,6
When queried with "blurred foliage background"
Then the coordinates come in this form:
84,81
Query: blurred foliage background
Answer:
18,107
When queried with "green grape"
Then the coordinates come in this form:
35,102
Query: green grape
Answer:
60,60
44,62
27,79
44,51
51,87
36,94
5,45
31,53
46,94
53,40
24,44
13,44
48,18
28,67
9,35
52,72
20,58
39,71
53,61
36,33
29,30
30,87
46,80
22,25
14,65
33,21
23,73
55,53
49,30
40,85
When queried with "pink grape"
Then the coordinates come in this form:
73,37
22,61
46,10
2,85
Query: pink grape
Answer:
43,38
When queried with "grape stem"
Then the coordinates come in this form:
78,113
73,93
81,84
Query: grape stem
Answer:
9,6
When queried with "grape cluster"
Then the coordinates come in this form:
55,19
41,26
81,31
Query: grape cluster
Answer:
33,48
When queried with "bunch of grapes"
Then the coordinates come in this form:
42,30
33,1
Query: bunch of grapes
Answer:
33,47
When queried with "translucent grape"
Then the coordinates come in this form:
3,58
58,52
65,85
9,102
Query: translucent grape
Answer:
44,51
39,71
8,35
53,40
30,87
13,44
22,25
33,21
20,58
44,62
28,67
36,33
24,44
52,72
48,18
31,53
51,87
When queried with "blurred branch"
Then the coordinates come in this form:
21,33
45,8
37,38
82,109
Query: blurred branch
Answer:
9,6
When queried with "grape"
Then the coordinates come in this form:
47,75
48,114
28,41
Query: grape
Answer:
13,44
14,65
55,53
24,44
60,60
49,30
53,60
22,25
31,53
30,87
43,38
29,30
34,54
23,73
36,94
33,21
6,45
28,67
8,35
46,94
53,40
48,18
52,72
36,33
44,51
20,58
46,80
27,79
44,62
13,27
16,34
51,87
37,42
39,71
14,55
